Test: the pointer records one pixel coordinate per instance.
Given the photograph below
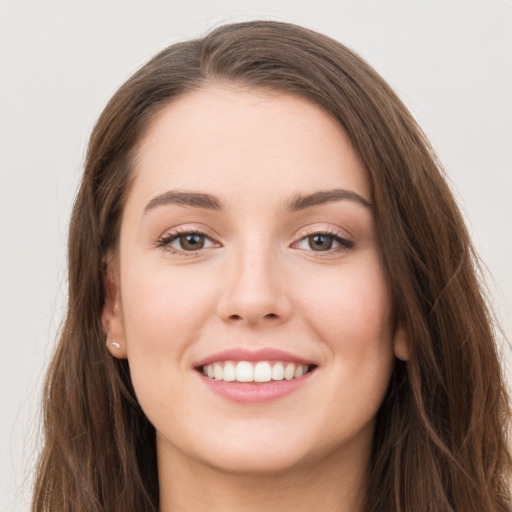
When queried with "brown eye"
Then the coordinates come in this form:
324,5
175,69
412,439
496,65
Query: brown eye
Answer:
324,242
191,241
185,242
320,242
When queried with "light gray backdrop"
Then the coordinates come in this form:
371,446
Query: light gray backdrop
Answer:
451,62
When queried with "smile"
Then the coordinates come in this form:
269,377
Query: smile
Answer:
255,376
256,371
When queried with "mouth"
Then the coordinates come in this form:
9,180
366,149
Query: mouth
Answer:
254,376
255,371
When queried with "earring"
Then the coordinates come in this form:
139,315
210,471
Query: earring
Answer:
114,344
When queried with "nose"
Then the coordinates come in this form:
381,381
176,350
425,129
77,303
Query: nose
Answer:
255,290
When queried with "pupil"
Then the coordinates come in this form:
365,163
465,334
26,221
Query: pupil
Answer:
320,242
192,241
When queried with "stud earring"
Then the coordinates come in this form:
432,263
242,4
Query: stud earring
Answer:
114,344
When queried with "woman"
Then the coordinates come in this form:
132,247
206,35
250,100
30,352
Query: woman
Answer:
273,300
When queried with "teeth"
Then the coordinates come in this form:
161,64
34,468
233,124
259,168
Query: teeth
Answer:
289,371
217,371
278,371
262,371
244,372
229,372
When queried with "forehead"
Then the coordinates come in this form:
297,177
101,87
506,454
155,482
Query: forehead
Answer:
223,139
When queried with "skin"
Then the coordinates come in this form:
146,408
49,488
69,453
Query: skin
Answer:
257,283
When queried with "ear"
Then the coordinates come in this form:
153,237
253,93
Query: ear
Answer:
112,315
401,345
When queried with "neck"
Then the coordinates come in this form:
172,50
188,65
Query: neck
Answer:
335,485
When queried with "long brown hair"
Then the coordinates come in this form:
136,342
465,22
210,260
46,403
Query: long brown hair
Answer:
440,441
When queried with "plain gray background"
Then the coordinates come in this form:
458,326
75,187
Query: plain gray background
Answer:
450,61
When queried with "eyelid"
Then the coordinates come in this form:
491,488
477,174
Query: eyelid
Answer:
326,229
346,242
170,235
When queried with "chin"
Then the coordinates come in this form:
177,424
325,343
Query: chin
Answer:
265,451
248,449
257,462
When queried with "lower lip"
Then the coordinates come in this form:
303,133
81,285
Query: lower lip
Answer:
254,393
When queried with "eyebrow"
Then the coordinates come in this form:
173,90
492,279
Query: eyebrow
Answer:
303,201
298,201
194,199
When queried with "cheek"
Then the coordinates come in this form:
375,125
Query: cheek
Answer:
349,312
164,312
351,309
165,307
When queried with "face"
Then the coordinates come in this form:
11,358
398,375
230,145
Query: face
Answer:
248,252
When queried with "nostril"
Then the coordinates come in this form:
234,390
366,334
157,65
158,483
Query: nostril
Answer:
269,316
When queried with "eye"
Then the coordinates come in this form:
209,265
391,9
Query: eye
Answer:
320,242
189,241
323,242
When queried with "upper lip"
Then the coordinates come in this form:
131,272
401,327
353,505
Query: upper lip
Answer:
262,354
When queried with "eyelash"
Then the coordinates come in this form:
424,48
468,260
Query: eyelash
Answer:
345,244
166,240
